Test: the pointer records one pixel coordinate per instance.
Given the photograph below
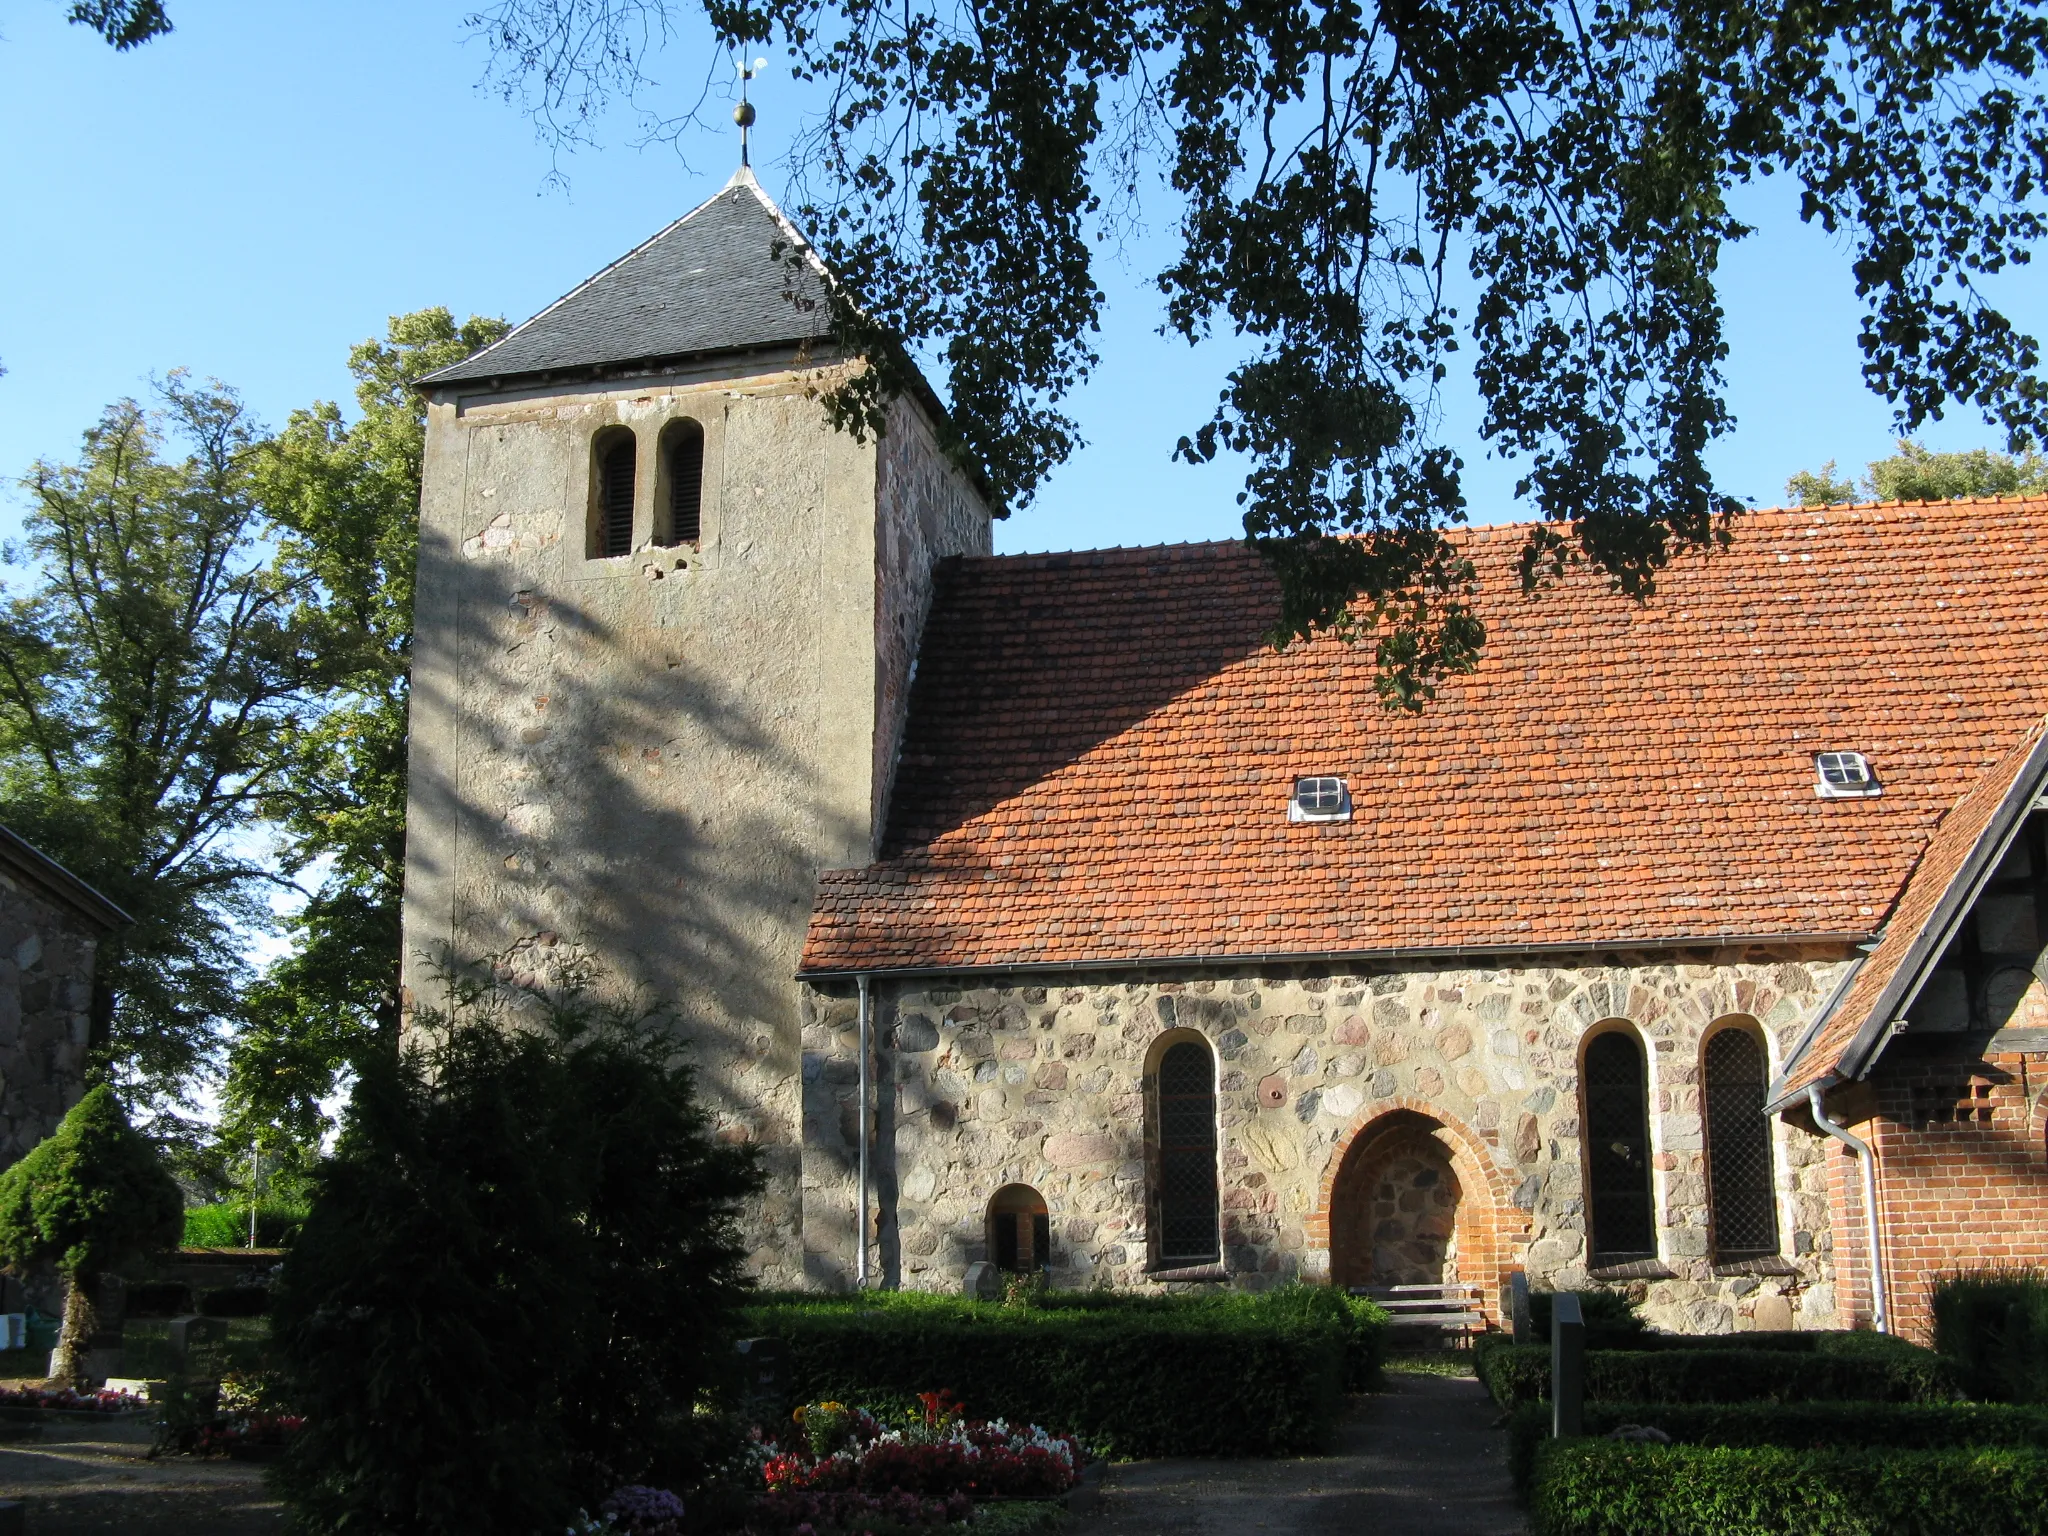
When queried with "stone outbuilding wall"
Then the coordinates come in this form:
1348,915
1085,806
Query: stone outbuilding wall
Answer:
51,925
1349,1104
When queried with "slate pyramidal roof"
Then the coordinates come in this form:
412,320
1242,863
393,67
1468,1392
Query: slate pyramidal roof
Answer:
1101,748
717,280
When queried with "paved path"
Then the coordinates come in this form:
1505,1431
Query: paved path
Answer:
1419,1459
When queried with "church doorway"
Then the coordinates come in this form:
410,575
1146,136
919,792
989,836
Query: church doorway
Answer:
1397,1207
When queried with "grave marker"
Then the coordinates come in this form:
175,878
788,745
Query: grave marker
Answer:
199,1345
1567,1366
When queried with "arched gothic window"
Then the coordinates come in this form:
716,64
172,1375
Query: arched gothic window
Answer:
1617,1123
612,517
1741,1192
1187,1200
682,445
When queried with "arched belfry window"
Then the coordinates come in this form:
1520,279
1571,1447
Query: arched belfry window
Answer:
1741,1191
1617,1124
1187,1202
1019,1229
682,451
611,523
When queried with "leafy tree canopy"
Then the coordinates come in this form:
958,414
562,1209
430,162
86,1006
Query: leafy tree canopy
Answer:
1915,473
1329,169
154,666
124,23
345,498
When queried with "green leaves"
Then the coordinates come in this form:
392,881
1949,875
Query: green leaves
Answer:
1337,174
151,669
91,1196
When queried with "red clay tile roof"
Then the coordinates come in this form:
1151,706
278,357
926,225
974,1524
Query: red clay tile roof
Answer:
1101,748
1936,893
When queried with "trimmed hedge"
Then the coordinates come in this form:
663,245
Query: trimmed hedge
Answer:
1793,1426
1227,1375
1611,1323
1612,1488
1834,1367
1993,1323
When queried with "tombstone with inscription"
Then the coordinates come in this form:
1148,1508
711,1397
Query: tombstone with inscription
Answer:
764,1379
199,1348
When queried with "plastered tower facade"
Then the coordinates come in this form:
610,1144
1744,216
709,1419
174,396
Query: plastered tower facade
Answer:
641,760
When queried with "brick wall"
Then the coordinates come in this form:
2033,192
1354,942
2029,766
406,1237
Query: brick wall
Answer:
1962,1178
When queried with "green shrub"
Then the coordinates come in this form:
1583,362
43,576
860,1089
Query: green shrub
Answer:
1611,1488
1794,1426
1993,1323
514,1285
1227,1375
1610,1321
226,1225
88,1198
1833,1367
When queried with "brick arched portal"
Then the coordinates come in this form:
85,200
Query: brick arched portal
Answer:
1490,1229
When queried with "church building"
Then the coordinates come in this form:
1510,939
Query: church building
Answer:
1035,909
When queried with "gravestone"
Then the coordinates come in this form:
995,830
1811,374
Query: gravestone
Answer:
983,1282
1567,1366
199,1348
1518,1307
764,1379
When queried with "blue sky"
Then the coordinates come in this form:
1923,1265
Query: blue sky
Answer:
253,194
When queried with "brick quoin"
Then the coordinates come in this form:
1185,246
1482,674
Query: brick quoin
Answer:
1962,1174
1492,1232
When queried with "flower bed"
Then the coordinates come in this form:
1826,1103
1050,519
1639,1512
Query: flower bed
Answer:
836,1466
64,1400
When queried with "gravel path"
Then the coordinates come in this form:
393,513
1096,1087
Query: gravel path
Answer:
89,1481
1419,1459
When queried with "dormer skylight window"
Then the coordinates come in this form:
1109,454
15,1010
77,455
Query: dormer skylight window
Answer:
1320,799
1844,776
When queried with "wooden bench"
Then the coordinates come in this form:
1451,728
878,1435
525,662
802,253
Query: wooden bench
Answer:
1450,1310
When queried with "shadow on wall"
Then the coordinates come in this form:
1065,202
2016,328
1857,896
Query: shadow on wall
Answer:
617,799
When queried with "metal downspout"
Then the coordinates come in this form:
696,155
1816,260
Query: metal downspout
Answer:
1879,1318
860,1216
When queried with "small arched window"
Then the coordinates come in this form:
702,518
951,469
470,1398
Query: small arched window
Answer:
1741,1192
1187,1156
1617,1120
1019,1229
611,520
682,448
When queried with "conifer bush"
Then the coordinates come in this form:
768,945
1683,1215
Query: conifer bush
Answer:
88,1199
514,1281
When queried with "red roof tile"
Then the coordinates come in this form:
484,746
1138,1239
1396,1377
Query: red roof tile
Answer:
1936,893
1101,748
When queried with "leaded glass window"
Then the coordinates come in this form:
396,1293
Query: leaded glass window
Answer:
1187,1155
1618,1150
1740,1189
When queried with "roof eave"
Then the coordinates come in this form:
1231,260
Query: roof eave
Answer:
1323,956
52,880
1929,944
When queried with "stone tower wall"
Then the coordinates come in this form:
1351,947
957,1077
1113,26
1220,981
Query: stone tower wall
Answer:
640,764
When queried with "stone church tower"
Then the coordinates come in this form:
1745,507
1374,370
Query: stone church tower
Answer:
666,624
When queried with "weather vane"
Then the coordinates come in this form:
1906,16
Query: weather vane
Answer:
743,114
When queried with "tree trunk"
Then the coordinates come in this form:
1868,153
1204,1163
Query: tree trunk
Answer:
81,1324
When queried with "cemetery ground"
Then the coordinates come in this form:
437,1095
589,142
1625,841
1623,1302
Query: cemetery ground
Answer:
1420,1457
